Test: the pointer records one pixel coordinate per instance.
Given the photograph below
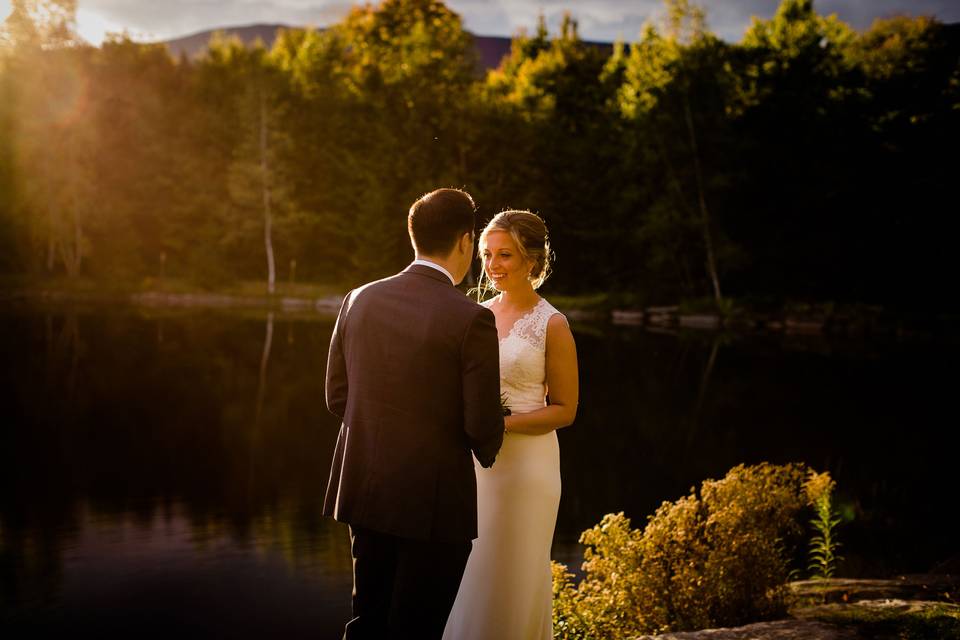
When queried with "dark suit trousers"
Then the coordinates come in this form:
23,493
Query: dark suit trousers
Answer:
402,588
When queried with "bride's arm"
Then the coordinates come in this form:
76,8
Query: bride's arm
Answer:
562,382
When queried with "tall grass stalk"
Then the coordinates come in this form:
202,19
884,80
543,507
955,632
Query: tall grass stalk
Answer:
824,545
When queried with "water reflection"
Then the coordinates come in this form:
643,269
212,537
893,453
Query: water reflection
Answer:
264,360
173,465
140,447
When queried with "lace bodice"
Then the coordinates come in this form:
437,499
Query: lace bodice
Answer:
523,372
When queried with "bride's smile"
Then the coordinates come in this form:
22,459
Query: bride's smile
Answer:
503,263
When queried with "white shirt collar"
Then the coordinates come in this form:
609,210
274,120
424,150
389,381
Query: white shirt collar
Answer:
434,265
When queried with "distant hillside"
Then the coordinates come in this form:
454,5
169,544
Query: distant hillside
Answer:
195,44
491,49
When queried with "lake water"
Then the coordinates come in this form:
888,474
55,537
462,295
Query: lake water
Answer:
162,473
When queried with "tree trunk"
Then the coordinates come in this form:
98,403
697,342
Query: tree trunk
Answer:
51,244
267,216
702,202
71,248
77,245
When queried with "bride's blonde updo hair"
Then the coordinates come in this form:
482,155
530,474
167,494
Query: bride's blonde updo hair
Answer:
529,233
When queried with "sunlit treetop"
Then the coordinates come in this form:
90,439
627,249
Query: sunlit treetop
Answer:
797,28
40,23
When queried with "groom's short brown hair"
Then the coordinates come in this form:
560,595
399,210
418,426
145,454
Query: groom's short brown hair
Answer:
437,220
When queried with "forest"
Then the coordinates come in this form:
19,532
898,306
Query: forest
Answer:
808,162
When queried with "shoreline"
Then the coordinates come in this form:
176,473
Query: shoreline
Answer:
823,321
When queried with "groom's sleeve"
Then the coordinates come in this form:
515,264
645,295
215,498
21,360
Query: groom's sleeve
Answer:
482,415
336,382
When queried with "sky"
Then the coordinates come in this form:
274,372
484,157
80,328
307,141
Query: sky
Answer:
604,20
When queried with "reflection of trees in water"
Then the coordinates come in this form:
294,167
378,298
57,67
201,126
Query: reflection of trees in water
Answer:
37,519
308,542
264,360
63,349
661,413
703,390
129,421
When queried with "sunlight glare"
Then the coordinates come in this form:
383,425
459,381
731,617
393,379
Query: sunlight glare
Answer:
93,27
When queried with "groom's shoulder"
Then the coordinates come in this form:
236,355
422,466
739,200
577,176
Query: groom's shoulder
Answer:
376,286
465,307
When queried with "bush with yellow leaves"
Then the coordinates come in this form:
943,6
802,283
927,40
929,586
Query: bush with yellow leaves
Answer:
717,557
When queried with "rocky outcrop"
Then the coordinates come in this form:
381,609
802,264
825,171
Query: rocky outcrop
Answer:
918,606
779,630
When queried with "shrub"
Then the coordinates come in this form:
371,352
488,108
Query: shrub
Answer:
714,558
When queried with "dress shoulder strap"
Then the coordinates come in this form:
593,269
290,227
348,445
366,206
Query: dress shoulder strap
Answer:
533,326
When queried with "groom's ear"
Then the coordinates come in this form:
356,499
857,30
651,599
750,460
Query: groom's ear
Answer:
466,242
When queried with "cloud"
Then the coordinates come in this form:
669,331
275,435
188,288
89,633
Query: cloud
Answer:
608,20
172,18
598,19
861,13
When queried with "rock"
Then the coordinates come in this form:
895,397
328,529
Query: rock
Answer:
584,315
700,322
910,587
296,303
628,317
804,326
330,303
874,610
779,630
663,310
890,618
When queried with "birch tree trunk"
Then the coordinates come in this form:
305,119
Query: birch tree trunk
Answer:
267,215
51,242
71,239
702,202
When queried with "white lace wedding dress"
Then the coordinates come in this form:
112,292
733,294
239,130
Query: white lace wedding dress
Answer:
506,589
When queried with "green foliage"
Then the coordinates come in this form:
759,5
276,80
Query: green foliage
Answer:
716,557
824,545
792,164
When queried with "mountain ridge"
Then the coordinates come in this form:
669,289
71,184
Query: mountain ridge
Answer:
490,49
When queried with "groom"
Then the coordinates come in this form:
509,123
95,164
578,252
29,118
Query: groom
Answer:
413,372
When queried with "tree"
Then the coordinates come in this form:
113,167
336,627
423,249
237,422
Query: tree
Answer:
50,143
406,67
555,148
47,24
258,197
675,92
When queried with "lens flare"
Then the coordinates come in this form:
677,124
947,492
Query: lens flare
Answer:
68,98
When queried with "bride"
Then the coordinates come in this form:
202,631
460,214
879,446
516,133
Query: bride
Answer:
506,589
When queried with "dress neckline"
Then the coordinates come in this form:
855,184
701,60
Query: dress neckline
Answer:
516,322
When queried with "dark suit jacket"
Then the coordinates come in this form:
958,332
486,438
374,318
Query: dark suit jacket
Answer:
414,374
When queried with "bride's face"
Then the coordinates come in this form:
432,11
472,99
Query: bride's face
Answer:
502,262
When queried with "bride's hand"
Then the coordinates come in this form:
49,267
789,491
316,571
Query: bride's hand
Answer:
562,385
